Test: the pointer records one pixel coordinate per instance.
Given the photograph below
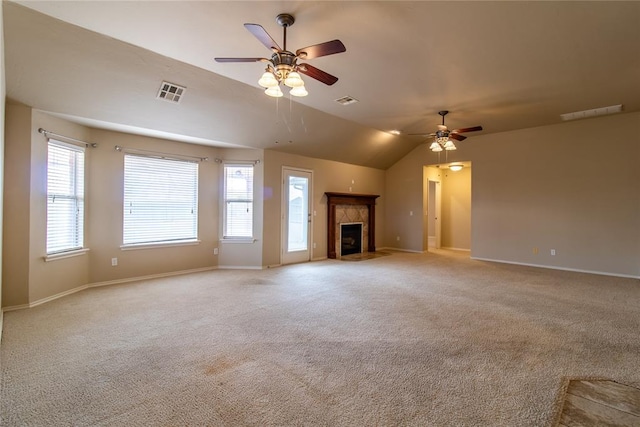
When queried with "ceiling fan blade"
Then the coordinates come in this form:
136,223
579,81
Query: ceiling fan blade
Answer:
238,59
322,49
421,134
261,34
463,130
317,74
457,137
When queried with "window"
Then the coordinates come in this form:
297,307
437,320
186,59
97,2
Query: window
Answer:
238,201
160,200
65,197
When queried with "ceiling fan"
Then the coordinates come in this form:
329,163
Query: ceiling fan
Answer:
283,66
443,135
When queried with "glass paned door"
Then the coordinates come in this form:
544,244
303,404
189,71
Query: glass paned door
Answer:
297,216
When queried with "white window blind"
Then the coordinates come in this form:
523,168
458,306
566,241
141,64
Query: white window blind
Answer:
65,197
160,200
238,195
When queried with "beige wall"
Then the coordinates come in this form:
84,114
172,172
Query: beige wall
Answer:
573,187
328,176
27,277
404,183
16,228
104,217
456,209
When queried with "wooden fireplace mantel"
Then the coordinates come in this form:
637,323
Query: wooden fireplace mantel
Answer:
334,199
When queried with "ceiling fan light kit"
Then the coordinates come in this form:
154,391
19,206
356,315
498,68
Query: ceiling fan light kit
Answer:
283,66
443,136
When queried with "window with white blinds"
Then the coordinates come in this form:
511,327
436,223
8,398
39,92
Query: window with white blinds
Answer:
238,201
65,197
160,200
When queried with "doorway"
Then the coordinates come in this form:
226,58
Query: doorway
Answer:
447,223
296,217
434,213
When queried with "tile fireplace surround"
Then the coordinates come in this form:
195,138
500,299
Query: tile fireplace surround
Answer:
350,207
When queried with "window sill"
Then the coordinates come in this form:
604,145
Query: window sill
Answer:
241,240
63,255
133,247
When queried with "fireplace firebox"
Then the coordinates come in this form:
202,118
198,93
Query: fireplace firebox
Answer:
350,239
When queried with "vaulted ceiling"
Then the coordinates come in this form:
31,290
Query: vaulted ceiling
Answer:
502,65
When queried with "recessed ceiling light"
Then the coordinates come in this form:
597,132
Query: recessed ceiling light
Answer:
592,113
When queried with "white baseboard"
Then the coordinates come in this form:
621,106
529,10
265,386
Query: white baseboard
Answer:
107,283
399,250
273,266
240,267
45,300
455,249
553,267
151,276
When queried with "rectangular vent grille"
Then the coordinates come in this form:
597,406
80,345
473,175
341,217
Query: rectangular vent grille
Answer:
346,100
592,113
171,92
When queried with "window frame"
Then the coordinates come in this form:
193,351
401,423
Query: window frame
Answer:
162,240
226,200
78,181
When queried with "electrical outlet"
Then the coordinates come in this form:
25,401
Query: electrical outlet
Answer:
398,238
535,251
114,262
215,251
553,252
410,213
314,245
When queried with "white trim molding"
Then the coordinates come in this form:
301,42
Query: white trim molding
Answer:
553,267
106,283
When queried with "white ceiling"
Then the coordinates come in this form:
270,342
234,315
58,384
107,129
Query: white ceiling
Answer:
502,65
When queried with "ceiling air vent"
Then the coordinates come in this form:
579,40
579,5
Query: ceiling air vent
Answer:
346,100
171,92
592,113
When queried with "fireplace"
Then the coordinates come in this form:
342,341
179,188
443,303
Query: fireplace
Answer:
350,208
350,238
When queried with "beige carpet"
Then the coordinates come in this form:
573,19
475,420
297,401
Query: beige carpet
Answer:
407,339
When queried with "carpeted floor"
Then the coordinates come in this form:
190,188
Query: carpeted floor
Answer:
407,339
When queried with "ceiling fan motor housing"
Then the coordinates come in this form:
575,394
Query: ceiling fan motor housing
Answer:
283,63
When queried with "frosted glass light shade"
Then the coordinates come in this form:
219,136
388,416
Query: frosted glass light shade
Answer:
299,91
436,148
268,80
293,80
274,91
448,145
455,168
